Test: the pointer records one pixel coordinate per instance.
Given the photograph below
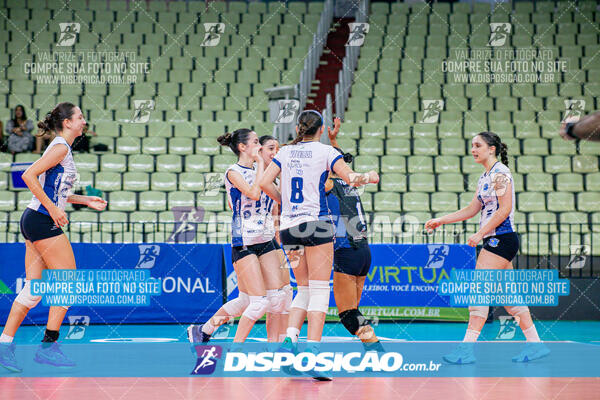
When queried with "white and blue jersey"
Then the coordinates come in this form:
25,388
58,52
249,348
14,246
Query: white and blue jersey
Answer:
58,182
488,198
252,221
304,170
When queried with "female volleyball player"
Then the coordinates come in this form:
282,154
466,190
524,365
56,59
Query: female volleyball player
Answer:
351,256
306,227
254,250
277,323
50,179
495,198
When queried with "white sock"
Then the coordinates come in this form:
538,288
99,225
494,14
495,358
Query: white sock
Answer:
6,339
471,335
312,341
531,334
293,334
208,328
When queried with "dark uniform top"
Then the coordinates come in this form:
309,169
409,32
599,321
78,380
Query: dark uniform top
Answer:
348,214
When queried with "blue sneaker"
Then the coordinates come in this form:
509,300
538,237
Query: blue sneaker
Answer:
53,355
7,357
287,346
195,334
462,354
532,351
317,375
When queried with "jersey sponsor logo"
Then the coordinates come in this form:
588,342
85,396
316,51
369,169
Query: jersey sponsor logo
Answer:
207,359
437,255
301,153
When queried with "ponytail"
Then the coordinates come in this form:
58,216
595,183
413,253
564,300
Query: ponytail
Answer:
504,153
232,140
309,122
53,122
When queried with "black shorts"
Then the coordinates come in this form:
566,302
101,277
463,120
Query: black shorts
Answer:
352,260
505,245
37,226
239,252
313,233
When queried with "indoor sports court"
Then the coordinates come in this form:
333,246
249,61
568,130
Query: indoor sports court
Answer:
341,199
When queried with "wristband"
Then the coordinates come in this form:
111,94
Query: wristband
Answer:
569,130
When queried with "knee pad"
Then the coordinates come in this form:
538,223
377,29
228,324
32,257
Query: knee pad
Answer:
277,300
319,296
24,297
516,310
302,298
289,297
479,311
257,308
353,320
236,307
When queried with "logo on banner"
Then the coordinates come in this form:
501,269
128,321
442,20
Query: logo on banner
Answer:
437,255
148,255
142,109
4,289
207,359
579,254
186,225
78,324
431,111
499,33
213,32
574,109
287,111
358,31
68,33
508,327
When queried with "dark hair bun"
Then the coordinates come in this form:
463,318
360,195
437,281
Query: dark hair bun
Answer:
224,140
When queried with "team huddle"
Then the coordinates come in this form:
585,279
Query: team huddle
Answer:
296,207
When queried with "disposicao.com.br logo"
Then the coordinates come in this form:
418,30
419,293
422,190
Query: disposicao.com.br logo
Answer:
322,362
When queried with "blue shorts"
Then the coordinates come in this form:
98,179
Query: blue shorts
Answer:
37,226
352,260
239,252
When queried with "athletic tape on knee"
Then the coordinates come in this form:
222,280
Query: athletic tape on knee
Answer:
319,296
479,311
236,307
516,310
302,298
257,308
24,297
353,320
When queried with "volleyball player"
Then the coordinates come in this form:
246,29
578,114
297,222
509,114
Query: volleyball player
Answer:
306,227
254,249
276,322
51,180
495,198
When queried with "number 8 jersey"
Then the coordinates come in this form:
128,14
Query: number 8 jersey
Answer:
304,170
252,221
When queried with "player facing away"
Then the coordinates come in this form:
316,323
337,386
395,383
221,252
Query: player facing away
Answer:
495,200
306,228
51,180
351,256
254,250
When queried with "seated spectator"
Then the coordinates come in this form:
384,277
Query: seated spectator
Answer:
19,130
